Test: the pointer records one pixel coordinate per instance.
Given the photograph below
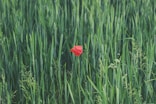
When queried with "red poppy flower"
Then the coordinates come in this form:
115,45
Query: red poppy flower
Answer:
77,50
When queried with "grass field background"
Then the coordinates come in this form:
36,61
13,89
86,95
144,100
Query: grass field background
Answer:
118,65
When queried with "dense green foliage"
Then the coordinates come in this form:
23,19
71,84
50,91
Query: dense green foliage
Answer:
118,65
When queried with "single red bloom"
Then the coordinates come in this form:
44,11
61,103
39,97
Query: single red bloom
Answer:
77,50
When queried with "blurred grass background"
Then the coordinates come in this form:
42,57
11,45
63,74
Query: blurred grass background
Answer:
118,65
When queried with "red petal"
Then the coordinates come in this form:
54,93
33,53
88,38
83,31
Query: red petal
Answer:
77,50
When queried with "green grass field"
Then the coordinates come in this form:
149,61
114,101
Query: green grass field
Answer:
118,64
